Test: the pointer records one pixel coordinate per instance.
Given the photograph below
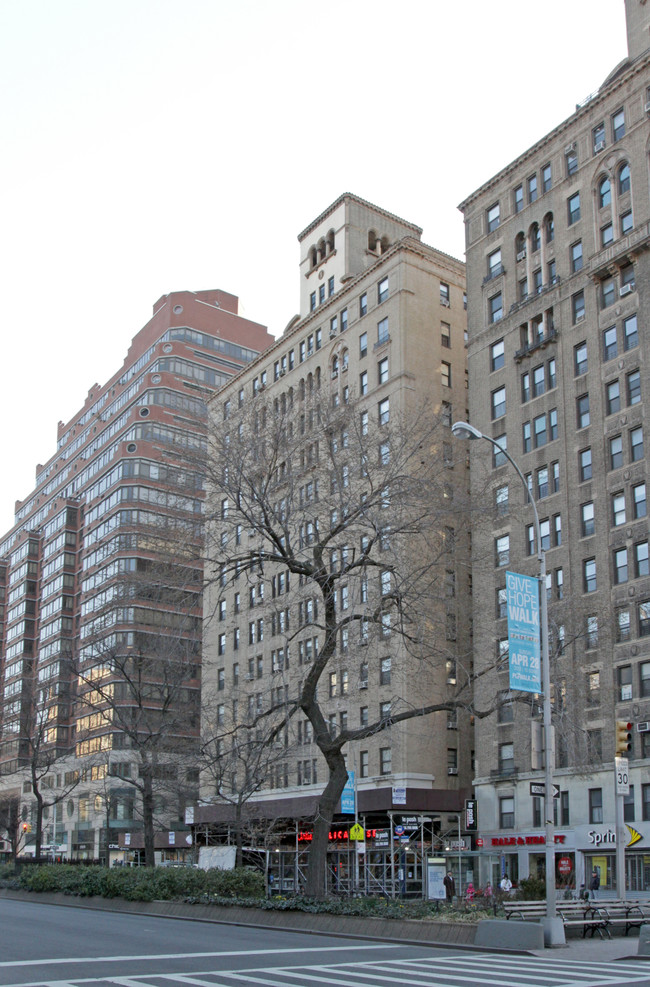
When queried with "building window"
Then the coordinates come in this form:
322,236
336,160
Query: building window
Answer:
382,371
644,618
607,292
573,207
641,564
382,290
495,266
587,519
624,179
639,499
382,331
363,382
507,812
644,679
526,437
571,163
363,344
589,575
497,355
620,566
630,332
531,185
598,138
585,465
591,633
610,348
624,683
444,294
604,193
502,550
576,256
495,304
518,198
618,125
578,306
636,444
634,387
618,509
384,411
498,457
363,764
582,411
613,393
627,223
445,335
595,805
623,624
580,359
363,303
385,761
499,403
501,500
615,452
546,178
493,217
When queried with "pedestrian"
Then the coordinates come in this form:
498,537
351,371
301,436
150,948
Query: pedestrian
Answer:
594,884
487,892
450,886
470,892
506,884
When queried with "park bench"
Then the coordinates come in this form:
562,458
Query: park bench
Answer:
589,915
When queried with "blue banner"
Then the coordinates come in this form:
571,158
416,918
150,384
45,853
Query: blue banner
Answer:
347,796
522,598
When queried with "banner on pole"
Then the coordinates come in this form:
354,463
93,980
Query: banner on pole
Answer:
522,599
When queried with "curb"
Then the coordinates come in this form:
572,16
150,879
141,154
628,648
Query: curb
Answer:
408,931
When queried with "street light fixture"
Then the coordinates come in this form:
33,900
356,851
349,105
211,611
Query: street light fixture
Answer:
554,930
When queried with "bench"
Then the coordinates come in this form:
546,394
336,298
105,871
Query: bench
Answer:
590,915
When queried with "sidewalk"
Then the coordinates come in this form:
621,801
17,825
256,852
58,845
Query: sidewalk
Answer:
594,950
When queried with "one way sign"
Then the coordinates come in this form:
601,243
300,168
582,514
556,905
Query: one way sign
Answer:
539,789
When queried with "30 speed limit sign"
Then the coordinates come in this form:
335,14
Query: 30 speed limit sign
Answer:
622,776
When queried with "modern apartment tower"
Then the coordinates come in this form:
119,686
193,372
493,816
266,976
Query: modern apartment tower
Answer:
381,327
558,275
91,567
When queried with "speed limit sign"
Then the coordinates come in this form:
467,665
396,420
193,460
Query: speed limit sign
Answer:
622,776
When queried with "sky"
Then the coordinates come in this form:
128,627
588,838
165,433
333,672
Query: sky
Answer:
151,146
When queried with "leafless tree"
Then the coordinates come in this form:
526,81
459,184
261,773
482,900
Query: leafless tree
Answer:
363,515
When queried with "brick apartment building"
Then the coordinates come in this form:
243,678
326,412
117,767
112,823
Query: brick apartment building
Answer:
558,280
88,544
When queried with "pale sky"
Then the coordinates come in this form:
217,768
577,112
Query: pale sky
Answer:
157,145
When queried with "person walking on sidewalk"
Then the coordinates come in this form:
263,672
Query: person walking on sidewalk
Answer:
594,884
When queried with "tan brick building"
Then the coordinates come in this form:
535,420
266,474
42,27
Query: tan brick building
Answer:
382,322
558,272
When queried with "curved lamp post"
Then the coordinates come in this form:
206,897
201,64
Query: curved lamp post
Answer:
554,928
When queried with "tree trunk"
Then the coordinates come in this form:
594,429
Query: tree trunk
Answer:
147,816
316,883
39,827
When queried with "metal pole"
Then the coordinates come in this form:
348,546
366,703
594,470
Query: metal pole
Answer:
467,431
460,864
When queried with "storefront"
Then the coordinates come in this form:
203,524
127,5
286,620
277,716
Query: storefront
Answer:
522,855
597,849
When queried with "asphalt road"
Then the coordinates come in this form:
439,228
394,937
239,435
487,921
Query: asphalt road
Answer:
58,946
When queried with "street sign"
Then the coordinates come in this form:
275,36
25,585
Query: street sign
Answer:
399,830
538,788
471,820
622,776
357,832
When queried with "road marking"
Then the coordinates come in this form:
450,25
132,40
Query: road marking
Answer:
189,956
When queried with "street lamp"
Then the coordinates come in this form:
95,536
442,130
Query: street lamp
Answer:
554,929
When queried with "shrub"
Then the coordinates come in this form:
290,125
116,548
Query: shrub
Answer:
531,889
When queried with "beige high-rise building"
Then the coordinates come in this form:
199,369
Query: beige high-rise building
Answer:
558,273
381,326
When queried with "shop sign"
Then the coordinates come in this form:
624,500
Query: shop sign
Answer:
411,822
337,835
399,796
564,865
382,838
479,841
471,810
600,839
524,840
172,839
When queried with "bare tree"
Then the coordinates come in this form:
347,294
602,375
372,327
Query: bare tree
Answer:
10,823
362,515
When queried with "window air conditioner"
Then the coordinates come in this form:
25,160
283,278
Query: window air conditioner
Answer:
599,146
626,289
452,771
363,685
643,727
570,147
521,255
445,302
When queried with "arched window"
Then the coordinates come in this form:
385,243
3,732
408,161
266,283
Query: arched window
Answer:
535,237
318,378
321,250
385,244
372,241
335,367
345,356
520,246
313,256
301,389
624,178
330,241
549,228
604,192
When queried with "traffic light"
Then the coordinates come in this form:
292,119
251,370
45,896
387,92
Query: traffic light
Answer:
623,738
